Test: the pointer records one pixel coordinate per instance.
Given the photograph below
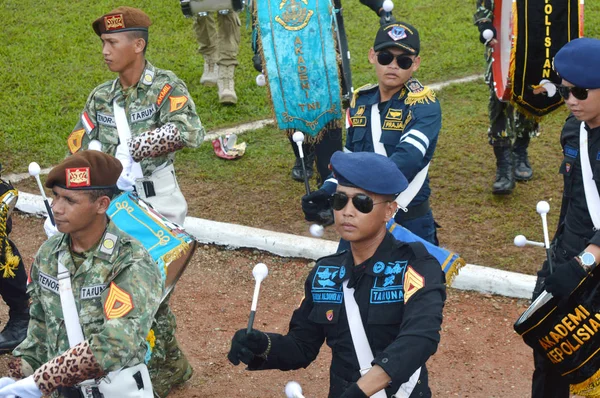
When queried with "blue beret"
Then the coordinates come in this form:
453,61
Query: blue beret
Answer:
577,62
369,171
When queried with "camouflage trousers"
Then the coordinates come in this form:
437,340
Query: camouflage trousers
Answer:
168,366
221,47
506,122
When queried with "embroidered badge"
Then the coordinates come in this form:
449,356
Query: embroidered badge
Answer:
106,120
75,140
359,120
87,122
387,288
397,33
177,102
393,120
571,152
114,22
108,243
118,302
324,289
413,281
78,177
329,315
163,94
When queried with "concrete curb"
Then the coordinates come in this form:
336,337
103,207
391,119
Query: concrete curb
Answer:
471,277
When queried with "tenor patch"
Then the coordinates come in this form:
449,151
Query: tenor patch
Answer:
48,282
106,120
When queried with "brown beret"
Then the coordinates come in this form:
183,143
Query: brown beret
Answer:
86,170
122,19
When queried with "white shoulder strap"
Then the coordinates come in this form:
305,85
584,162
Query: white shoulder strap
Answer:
378,147
67,302
363,349
122,152
592,197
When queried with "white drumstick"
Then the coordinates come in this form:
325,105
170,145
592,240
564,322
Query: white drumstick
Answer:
260,80
543,208
317,230
293,390
388,5
488,35
521,241
34,171
298,138
259,272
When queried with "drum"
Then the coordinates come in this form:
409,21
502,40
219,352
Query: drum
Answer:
529,34
168,244
191,8
567,334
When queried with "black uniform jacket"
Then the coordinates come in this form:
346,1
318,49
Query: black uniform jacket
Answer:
400,292
576,229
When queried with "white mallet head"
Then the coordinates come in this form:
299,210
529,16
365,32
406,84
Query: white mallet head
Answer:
95,145
488,34
261,81
549,86
317,230
34,169
298,137
388,5
260,272
520,240
542,207
293,389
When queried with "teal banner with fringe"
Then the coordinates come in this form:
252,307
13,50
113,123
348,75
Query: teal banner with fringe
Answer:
297,38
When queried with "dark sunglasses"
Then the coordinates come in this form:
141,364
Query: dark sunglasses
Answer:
361,202
578,92
403,61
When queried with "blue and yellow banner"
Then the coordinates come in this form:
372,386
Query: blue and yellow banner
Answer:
300,58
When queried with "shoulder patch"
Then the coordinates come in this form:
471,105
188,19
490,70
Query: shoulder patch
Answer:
148,77
417,93
118,302
109,242
413,282
164,92
177,102
360,91
87,122
75,140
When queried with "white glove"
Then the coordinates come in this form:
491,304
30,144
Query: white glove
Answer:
5,381
24,388
49,229
126,181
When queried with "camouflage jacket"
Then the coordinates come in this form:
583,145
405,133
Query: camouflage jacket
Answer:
117,290
158,98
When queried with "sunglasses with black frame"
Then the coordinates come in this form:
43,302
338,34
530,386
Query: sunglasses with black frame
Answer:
404,61
361,202
578,92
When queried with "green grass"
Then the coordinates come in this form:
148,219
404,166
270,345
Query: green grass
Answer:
50,60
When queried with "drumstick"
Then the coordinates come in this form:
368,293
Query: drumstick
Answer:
298,138
388,6
259,272
34,171
543,208
488,35
521,241
293,390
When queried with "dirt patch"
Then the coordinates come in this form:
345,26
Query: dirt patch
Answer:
479,354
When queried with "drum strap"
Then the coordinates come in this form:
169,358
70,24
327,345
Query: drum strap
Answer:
363,349
122,152
417,182
67,302
589,185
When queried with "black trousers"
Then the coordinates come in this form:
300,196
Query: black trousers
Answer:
14,290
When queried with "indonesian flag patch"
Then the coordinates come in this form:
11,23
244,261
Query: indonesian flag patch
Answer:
87,122
78,177
413,281
118,302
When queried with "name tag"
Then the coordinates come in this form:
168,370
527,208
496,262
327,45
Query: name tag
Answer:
142,115
106,120
48,282
90,292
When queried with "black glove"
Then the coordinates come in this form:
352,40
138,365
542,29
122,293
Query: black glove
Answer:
314,203
257,62
483,26
246,346
383,18
565,278
354,391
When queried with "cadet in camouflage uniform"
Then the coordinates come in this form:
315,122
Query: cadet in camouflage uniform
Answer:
510,131
115,284
219,50
162,118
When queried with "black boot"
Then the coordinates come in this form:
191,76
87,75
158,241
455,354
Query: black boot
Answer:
15,330
505,181
297,173
523,171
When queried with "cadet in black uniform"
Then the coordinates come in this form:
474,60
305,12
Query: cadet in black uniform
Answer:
13,278
576,244
398,289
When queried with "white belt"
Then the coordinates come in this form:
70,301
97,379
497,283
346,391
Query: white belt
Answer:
163,181
592,198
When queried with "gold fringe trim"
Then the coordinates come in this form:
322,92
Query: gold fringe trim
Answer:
11,261
176,252
423,97
356,93
454,269
588,388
